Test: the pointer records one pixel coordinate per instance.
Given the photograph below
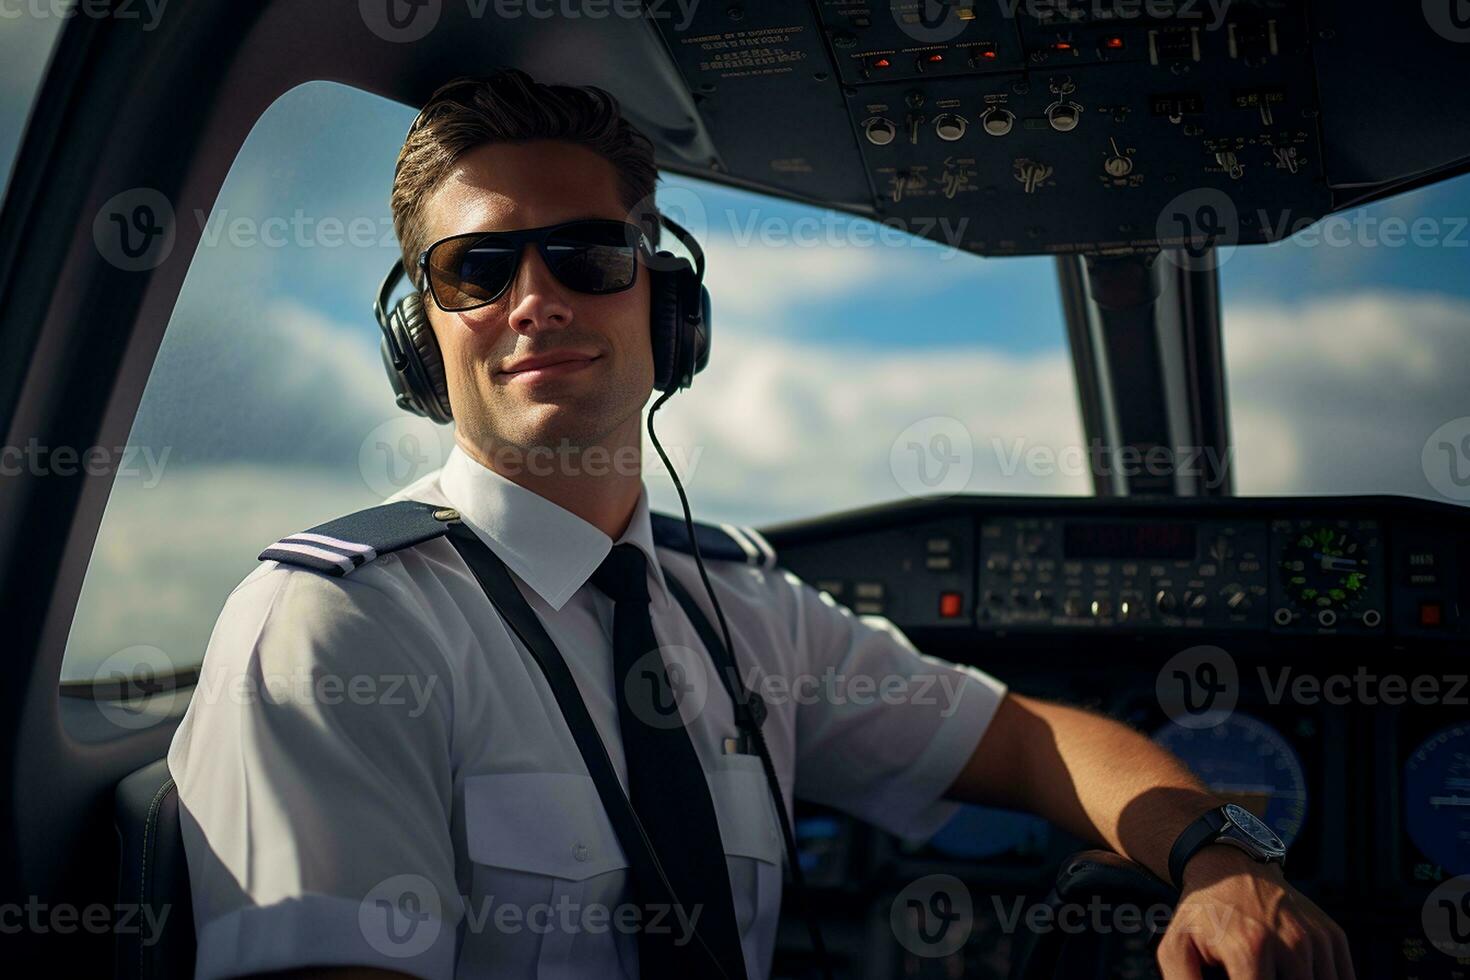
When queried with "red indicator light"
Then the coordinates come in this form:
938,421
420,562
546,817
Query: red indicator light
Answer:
951,605
1113,43
881,62
934,58
1430,614
1062,46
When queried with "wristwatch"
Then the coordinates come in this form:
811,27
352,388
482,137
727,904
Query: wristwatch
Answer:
1230,824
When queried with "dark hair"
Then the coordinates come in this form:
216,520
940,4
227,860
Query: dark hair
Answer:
509,106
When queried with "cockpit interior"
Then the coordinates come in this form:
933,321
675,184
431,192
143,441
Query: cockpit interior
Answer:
1304,646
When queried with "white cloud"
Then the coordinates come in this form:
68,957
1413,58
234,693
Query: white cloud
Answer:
1337,395
755,278
784,430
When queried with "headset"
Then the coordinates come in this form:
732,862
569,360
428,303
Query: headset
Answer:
679,326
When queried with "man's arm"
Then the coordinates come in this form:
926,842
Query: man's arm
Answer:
1103,782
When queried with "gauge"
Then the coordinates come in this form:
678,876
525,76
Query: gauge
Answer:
1437,799
1324,567
1248,762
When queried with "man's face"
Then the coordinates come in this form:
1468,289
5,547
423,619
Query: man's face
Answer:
603,370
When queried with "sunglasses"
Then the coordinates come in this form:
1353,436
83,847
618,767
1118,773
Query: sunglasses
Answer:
592,255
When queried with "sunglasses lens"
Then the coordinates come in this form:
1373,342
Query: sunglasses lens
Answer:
470,272
594,256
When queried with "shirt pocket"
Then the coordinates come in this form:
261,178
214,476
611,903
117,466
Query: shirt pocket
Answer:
753,851
549,875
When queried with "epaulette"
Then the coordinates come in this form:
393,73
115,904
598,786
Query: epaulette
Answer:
725,542
339,546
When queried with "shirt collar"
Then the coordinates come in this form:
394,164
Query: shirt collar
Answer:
548,547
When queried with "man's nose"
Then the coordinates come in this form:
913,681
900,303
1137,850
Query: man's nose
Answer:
537,299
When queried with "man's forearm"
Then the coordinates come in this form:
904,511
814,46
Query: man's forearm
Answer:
1093,777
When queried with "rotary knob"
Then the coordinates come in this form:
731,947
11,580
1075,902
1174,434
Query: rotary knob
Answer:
1119,166
1064,116
949,127
880,131
1164,601
1236,599
997,121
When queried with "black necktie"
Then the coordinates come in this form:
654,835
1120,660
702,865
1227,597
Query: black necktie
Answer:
668,790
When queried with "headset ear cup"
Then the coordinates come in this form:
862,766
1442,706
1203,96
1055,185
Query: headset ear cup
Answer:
425,369
701,332
665,316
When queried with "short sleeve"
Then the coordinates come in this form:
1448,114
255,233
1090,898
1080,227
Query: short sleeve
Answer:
882,730
314,778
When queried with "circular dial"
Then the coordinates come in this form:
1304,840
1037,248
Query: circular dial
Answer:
1324,567
1257,830
1249,763
1437,799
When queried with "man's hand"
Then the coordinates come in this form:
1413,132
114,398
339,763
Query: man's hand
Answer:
1242,916
1103,782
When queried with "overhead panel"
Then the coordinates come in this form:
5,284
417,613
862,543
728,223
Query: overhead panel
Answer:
1066,126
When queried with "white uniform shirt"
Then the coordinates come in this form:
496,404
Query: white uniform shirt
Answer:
374,772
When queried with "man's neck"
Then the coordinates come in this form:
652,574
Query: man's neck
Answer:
599,483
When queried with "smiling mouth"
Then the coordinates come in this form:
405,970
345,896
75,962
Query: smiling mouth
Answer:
552,368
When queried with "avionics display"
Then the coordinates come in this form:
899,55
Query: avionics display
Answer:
1131,539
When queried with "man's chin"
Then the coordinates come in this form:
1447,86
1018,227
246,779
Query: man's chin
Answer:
567,421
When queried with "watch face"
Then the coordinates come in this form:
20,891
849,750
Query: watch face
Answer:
1264,837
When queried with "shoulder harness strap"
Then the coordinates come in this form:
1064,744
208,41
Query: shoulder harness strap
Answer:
724,542
340,546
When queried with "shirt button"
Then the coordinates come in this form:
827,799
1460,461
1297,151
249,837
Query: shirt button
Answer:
580,852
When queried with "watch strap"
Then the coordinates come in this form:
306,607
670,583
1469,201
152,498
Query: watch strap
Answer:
1201,833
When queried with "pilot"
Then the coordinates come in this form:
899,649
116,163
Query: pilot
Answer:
435,738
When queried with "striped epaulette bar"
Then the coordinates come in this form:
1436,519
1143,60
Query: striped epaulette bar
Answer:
347,543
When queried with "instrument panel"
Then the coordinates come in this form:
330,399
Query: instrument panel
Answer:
1389,570
1340,622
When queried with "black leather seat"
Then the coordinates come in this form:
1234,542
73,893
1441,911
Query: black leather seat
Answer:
153,876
